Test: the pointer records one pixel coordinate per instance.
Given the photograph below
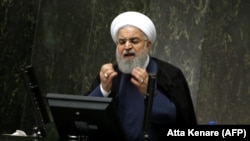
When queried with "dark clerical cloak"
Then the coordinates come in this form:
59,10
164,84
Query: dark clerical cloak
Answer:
172,84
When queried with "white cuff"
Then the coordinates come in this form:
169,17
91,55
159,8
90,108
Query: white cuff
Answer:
104,93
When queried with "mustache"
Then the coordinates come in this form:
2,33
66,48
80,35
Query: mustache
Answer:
128,52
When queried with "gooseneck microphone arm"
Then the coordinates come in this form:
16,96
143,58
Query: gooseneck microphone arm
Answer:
39,109
148,105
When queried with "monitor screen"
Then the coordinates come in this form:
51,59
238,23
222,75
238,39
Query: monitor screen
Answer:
78,116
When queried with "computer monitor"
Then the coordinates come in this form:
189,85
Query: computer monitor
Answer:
88,117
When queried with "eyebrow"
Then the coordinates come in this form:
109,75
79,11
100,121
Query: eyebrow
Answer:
130,38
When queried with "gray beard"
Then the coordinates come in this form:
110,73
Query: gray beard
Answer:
126,66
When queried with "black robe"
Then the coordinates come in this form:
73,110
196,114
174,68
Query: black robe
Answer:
172,83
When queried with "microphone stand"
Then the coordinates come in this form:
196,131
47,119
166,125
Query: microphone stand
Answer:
148,105
39,108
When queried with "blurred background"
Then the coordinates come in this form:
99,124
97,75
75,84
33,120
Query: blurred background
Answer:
66,42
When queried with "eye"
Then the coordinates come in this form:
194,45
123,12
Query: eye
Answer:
134,40
122,41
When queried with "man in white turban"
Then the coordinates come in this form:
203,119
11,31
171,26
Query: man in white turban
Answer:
127,82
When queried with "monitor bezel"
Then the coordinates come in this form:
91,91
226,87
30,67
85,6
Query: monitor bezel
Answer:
77,116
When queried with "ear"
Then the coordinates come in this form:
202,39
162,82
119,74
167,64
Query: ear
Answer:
148,45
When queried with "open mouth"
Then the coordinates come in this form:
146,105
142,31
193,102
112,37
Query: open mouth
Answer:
129,55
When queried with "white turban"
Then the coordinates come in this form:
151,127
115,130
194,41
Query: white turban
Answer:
136,19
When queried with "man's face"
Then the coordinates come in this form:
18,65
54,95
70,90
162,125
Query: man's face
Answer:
132,48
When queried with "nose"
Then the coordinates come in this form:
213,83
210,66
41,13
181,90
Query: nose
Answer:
128,45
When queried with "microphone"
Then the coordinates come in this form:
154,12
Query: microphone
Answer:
148,105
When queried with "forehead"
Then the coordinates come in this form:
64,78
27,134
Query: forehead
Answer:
129,31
